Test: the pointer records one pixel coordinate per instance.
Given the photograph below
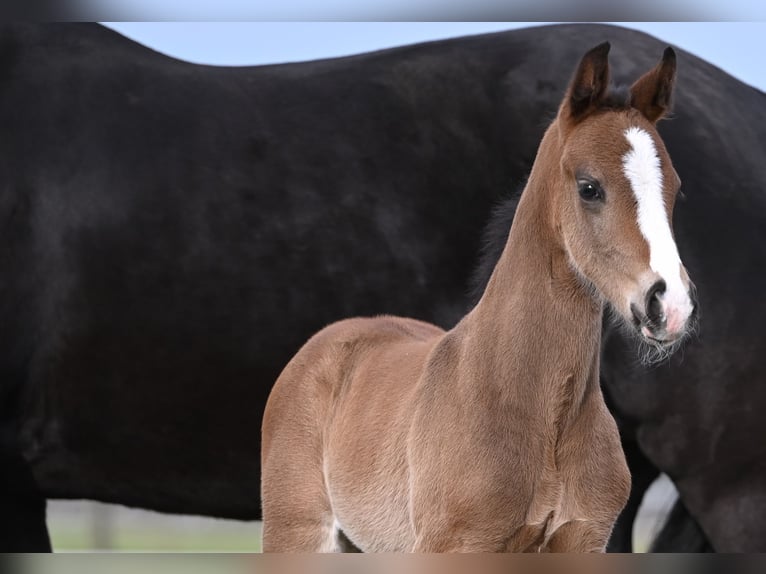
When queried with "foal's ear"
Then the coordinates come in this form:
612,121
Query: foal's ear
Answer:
651,93
589,83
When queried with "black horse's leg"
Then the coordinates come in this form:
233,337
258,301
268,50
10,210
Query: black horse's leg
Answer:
681,533
642,473
22,507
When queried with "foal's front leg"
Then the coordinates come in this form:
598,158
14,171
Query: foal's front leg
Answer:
580,536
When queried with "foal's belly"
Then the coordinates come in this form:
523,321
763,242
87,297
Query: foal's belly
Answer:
377,528
372,509
368,479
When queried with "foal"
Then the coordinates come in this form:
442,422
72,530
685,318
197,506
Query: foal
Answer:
396,436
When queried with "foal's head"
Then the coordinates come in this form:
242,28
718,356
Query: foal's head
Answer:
614,209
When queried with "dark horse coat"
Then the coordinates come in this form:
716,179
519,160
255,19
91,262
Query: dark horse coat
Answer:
171,233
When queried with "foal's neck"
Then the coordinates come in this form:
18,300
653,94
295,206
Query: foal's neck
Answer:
537,325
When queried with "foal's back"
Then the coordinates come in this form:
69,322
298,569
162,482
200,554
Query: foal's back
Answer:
337,405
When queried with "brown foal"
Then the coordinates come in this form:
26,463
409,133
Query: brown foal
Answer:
389,434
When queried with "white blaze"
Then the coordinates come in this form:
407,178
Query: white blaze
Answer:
642,168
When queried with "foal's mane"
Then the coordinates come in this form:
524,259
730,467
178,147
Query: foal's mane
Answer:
493,239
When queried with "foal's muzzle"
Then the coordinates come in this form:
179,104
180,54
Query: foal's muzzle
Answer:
662,320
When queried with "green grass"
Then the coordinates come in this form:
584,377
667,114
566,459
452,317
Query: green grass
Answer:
86,526
132,564
153,540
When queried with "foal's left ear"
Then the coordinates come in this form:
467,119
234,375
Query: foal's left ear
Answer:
651,93
589,83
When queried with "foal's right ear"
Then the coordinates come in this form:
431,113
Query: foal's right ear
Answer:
589,83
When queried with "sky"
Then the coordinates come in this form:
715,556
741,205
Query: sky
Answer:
736,47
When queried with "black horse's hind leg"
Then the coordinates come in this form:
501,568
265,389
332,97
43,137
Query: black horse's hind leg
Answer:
681,533
642,473
22,507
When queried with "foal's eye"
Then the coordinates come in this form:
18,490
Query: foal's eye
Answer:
590,190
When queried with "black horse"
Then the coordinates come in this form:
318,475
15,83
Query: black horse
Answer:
171,233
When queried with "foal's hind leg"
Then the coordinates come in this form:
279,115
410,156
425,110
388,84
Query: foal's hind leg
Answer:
297,516
304,534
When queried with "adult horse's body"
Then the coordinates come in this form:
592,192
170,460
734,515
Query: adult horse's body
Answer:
494,435
160,223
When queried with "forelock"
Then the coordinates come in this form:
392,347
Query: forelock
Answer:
616,98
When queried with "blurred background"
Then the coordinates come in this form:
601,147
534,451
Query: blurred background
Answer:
735,47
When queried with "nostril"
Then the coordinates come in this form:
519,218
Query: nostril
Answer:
655,290
653,303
